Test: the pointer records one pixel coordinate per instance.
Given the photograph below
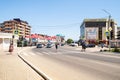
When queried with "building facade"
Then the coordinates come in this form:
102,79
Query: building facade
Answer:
22,27
5,40
95,29
1,27
118,33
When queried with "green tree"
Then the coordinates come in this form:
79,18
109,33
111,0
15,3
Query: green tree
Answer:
69,41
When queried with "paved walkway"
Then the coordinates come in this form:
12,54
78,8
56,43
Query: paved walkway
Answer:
96,50
92,49
13,68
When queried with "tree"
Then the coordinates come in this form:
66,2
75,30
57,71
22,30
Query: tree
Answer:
69,41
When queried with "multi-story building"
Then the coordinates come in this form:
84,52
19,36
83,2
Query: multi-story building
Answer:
95,29
118,33
1,27
16,25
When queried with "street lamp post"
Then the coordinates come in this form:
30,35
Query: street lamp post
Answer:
109,28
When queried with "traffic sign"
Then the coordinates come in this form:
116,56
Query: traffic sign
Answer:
110,29
16,32
107,33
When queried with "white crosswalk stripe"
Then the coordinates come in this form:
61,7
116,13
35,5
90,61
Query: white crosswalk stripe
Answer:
38,53
23,53
77,48
47,53
32,53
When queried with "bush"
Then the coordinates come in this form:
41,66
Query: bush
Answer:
69,41
105,50
116,50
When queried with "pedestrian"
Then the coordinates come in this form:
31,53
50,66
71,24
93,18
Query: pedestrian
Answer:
11,48
102,45
83,46
56,46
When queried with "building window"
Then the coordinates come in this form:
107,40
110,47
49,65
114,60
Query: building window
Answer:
100,33
8,28
95,24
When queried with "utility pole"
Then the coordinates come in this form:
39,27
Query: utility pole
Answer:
109,28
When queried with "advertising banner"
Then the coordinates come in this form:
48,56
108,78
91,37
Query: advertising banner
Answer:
91,33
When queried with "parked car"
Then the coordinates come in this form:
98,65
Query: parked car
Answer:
73,44
62,44
90,45
39,46
49,45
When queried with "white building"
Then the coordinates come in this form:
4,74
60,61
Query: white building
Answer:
5,39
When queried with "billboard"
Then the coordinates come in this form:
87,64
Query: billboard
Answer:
91,33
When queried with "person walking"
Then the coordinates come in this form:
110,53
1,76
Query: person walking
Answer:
83,46
102,45
11,48
56,46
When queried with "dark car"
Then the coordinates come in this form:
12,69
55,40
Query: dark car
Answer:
39,46
62,44
49,45
90,45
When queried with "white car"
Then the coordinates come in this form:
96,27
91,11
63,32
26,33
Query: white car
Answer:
73,44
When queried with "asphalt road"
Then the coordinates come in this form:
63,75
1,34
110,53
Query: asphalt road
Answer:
71,64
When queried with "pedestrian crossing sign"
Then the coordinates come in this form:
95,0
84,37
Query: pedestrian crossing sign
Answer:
16,32
107,33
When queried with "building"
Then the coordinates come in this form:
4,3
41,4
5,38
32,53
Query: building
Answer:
1,27
16,26
96,29
5,40
118,33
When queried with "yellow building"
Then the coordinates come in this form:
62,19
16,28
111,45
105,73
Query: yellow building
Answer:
22,27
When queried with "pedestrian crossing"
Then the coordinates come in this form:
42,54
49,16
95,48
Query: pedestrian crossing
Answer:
39,53
47,52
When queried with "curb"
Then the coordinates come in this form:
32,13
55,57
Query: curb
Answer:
43,75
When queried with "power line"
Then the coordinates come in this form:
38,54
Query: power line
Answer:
56,26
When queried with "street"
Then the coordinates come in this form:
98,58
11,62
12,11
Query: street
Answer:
69,63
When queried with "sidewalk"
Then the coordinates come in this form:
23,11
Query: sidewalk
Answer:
13,68
96,50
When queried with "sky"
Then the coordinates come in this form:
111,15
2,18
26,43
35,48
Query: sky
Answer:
52,17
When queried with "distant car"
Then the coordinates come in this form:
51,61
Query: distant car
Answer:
73,44
39,46
62,44
90,45
49,46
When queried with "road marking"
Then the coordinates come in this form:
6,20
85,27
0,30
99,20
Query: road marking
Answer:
104,55
51,52
46,53
32,53
38,53
24,53
77,48
66,51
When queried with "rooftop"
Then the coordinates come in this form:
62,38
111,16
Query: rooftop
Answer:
96,20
